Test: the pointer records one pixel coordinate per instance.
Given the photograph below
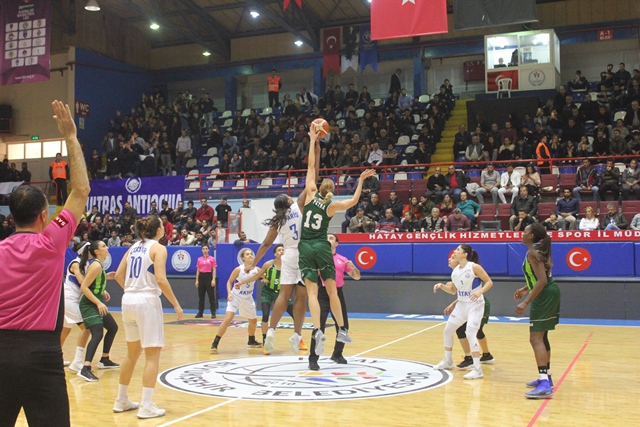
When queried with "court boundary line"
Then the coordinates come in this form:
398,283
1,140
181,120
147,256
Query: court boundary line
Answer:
202,411
557,386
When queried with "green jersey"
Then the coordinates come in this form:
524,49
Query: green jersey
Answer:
315,220
273,278
530,275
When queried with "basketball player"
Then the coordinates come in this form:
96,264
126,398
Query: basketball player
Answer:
142,273
72,293
466,281
31,372
240,300
343,265
95,314
486,357
205,282
287,223
270,272
315,250
544,297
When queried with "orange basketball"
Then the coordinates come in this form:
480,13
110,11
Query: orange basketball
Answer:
321,127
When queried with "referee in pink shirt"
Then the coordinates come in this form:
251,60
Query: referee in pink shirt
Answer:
343,265
31,294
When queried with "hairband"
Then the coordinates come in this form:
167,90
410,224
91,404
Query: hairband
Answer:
83,248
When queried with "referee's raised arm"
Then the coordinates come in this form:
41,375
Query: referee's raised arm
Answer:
80,188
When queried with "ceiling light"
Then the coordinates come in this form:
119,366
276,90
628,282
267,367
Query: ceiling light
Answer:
254,14
206,53
92,6
298,43
154,26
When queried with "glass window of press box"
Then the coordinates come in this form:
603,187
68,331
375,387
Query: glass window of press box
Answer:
502,51
534,49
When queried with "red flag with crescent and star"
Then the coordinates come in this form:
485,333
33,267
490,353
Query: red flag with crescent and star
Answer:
286,4
331,51
407,18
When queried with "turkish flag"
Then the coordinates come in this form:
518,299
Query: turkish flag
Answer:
331,51
286,4
494,76
407,18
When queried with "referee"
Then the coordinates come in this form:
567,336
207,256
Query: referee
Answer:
31,297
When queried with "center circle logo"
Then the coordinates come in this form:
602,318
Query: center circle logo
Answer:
366,257
133,185
181,260
107,262
287,378
578,259
537,77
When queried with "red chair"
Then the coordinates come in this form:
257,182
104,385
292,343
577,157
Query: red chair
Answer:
403,190
630,208
504,213
567,181
583,209
386,185
546,181
545,209
419,187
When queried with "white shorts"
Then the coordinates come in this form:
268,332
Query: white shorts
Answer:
142,319
72,314
245,305
470,312
289,269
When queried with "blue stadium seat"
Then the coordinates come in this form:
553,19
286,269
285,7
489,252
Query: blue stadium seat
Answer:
279,181
473,173
230,183
202,162
415,175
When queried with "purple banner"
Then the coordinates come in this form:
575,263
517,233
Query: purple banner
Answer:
139,192
26,40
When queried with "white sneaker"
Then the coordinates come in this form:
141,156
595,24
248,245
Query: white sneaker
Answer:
343,337
320,338
268,341
445,364
294,343
474,374
150,411
76,366
127,405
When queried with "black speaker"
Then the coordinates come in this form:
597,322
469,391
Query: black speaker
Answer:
6,114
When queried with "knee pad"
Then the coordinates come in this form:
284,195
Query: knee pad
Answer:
480,333
460,332
449,329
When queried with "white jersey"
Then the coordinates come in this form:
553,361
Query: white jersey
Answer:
246,290
140,275
291,229
466,282
71,284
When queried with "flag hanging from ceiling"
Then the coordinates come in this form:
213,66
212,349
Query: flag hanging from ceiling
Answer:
407,18
331,51
25,30
350,39
368,49
286,4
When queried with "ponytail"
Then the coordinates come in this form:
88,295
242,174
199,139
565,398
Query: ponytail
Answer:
326,191
472,255
147,227
542,247
281,207
89,248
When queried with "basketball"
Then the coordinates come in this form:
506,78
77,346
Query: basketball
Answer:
321,127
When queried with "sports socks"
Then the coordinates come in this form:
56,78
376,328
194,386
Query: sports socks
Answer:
147,396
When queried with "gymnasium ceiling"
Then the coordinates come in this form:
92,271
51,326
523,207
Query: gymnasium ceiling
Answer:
213,23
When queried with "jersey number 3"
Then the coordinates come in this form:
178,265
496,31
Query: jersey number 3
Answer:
293,227
315,224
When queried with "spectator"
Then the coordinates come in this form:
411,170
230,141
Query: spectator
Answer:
506,150
586,180
622,76
370,186
455,181
457,222
461,141
204,213
394,204
114,240
524,202
521,221
435,185
613,220
609,180
274,84
469,208
59,173
413,206
389,156
473,153
183,150
567,208
361,223
242,239
632,119
6,230
388,224
589,222
409,223
509,183
631,180
433,222
25,174
187,239
446,206
222,211
579,82
553,223
426,206
508,132
489,183
395,85
635,222
373,209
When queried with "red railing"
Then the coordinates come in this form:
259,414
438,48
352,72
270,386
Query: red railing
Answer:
246,184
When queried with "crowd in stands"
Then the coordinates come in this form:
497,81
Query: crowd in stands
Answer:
9,172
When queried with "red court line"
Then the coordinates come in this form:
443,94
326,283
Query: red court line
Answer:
557,386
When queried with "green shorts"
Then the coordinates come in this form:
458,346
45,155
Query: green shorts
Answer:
89,311
268,295
316,257
545,309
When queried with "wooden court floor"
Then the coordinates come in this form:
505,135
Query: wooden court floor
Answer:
596,371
